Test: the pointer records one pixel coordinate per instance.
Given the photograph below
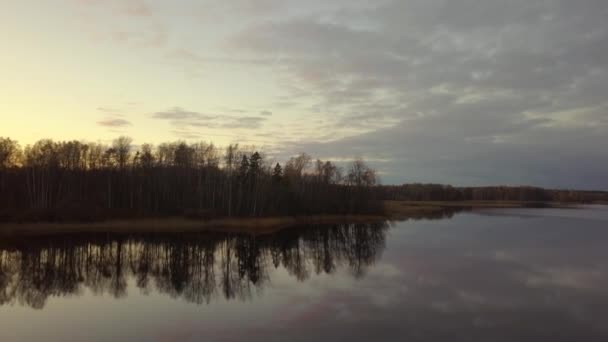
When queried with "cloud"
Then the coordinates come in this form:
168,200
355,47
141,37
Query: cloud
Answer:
129,22
114,123
153,37
177,114
463,91
108,110
244,122
185,134
460,91
187,120
135,8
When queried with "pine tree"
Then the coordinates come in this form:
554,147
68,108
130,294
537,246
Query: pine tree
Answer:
277,173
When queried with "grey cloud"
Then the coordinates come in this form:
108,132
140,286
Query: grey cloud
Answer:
107,110
244,122
154,35
191,58
187,120
114,123
132,23
465,91
266,113
285,104
136,8
400,60
238,110
184,134
178,113
425,150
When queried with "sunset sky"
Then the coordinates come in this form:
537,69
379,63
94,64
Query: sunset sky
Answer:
467,92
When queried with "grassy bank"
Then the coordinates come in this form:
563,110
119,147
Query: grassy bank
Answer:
180,225
394,210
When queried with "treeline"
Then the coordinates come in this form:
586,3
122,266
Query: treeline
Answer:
195,267
73,180
439,192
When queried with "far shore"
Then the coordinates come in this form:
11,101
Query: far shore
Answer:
394,210
403,210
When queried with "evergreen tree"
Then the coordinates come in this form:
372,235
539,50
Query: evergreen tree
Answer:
277,173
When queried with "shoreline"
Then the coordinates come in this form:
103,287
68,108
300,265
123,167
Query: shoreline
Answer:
394,211
403,210
254,226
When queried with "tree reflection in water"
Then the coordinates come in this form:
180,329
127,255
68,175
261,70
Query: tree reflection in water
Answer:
195,267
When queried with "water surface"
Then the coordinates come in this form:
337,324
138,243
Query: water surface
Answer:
492,275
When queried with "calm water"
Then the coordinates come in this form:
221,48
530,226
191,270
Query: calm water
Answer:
495,275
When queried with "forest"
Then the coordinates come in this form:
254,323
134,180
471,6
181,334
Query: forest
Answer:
84,182
440,192
78,181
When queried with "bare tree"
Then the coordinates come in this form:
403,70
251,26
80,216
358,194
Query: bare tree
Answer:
296,166
94,157
10,153
122,146
146,157
184,155
360,174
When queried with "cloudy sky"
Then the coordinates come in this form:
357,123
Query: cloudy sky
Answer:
468,92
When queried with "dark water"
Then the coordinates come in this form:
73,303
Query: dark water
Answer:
495,275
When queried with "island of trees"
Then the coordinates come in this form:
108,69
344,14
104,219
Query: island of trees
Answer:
78,181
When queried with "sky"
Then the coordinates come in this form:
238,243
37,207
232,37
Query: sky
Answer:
468,92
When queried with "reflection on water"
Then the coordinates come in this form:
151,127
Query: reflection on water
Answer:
193,267
496,275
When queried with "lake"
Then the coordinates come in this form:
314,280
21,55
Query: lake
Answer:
490,275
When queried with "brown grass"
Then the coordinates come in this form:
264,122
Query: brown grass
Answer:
394,210
179,225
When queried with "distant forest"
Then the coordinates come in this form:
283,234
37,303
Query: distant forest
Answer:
439,192
78,181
